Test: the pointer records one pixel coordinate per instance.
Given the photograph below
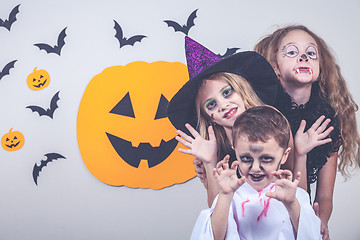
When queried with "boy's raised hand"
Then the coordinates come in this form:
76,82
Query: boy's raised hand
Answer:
285,188
313,137
226,177
202,149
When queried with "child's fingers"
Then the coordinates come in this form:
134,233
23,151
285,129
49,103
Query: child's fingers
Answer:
184,136
197,161
277,174
226,162
199,170
215,172
219,164
317,123
287,174
186,151
241,181
223,164
201,177
324,125
219,168
322,142
326,133
297,178
183,142
283,174
271,194
226,159
192,130
234,165
273,172
316,208
302,126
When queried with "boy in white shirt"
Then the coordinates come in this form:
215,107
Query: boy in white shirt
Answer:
265,203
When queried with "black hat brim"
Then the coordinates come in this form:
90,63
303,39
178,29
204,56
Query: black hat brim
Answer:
250,65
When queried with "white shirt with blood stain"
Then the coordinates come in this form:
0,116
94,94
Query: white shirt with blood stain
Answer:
253,216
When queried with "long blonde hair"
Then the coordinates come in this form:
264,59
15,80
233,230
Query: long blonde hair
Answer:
333,87
243,88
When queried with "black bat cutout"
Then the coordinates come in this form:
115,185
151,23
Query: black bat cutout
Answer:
12,18
56,48
185,28
49,158
229,52
126,41
50,111
6,69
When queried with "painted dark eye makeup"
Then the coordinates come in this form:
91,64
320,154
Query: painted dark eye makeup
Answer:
227,92
246,159
210,104
311,51
267,159
290,51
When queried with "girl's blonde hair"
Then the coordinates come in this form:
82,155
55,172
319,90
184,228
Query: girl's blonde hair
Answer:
333,87
243,88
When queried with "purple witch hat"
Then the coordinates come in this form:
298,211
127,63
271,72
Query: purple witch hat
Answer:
198,57
202,63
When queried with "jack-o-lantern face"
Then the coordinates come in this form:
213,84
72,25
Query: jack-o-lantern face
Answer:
38,79
124,135
12,141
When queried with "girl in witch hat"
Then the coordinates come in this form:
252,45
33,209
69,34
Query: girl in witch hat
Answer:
219,90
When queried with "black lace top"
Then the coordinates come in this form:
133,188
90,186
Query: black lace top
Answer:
311,111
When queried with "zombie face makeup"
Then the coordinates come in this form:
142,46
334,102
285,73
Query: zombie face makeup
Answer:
258,159
297,60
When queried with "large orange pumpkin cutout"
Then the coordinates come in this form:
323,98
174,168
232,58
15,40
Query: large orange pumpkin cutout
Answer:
38,79
124,135
12,141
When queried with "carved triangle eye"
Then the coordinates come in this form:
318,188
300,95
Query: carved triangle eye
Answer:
124,107
162,108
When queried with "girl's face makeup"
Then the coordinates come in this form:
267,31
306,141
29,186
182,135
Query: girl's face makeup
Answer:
297,59
291,51
219,100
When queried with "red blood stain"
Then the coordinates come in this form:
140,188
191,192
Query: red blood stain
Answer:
243,207
265,210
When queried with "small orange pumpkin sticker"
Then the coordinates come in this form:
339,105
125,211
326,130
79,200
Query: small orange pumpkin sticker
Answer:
38,79
124,135
12,141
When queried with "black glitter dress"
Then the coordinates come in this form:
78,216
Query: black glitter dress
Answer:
311,111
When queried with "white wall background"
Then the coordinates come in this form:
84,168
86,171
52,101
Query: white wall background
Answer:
69,203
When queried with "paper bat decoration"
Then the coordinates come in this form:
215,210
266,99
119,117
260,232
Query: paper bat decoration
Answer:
50,111
126,41
6,69
55,49
49,158
12,18
185,28
229,52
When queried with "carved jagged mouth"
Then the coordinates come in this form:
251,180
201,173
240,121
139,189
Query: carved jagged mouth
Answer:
12,145
40,84
133,155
